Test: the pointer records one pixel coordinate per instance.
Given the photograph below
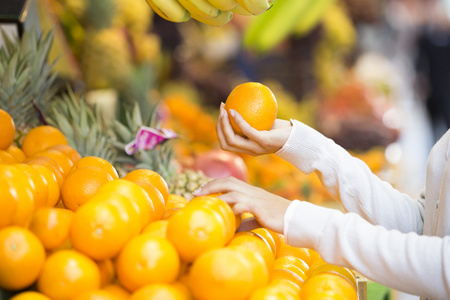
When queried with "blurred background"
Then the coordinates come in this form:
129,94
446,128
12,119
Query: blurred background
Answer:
370,74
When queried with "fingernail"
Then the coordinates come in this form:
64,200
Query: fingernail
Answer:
197,191
232,112
222,105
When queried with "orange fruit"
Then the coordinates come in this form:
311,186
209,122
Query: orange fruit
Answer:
313,255
264,234
290,267
97,294
8,130
169,213
221,274
53,191
140,199
194,230
69,151
328,268
98,230
22,256
151,177
288,250
81,185
107,272
296,278
147,259
93,161
63,160
8,204
222,208
51,226
157,291
325,282
328,295
274,292
175,201
41,138
17,153
40,184
30,295
286,284
256,244
68,273
128,212
317,263
157,228
19,184
255,102
7,158
118,291
286,261
156,198
50,164
257,264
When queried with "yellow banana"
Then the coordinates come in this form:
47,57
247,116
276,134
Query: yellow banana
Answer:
241,11
255,7
170,10
200,8
223,18
224,4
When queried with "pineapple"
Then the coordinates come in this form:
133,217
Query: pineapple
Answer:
159,159
135,15
105,59
186,182
27,79
83,126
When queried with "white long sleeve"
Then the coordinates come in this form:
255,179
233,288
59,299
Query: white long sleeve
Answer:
380,236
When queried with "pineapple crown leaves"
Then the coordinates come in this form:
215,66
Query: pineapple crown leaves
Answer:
136,90
27,79
83,126
158,159
15,96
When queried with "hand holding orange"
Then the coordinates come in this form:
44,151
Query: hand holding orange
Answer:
255,102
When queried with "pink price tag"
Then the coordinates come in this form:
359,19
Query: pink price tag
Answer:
147,138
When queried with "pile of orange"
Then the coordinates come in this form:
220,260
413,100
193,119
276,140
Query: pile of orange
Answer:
70,228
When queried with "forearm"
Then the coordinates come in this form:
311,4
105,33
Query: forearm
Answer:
350,181
408,262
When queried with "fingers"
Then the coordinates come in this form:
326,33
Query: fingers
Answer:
279,123
222,185
246,129
248,224
230,141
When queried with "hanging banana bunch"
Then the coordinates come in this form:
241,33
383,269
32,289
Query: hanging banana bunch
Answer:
210,12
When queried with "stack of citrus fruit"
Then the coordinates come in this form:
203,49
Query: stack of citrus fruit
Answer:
70,228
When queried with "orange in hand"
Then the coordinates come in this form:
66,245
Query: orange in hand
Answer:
256,103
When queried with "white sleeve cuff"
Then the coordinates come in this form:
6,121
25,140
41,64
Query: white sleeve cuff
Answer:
304,223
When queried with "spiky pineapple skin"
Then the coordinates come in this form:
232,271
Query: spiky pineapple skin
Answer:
106,59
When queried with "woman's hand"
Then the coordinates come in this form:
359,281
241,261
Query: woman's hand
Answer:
255,142
268,209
